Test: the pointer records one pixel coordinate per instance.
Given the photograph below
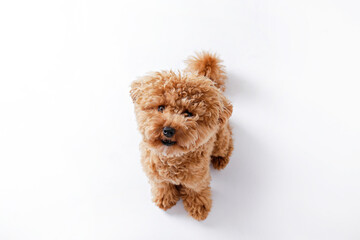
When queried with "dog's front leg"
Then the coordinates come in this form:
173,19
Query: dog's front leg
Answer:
165,194
197,199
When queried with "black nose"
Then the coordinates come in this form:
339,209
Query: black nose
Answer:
168,131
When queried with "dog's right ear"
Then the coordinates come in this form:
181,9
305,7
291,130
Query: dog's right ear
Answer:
145,84
135,90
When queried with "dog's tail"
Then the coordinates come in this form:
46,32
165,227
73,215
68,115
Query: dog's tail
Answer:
208,65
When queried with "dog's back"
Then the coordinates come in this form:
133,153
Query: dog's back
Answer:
209,65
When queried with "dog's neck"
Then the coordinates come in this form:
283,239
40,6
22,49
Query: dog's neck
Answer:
181,156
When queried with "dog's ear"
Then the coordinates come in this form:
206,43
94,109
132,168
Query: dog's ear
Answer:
135,90
143,85
226,110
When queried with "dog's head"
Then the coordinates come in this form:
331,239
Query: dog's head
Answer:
178,113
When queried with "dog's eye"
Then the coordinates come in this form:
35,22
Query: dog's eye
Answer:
161,108
187,113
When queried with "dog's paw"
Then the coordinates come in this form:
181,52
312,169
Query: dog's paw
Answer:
219,162
198,211
167,199
197,206
165,202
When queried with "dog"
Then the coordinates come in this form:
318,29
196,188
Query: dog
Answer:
183,119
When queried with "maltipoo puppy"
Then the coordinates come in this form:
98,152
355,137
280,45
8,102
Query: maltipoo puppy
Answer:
183,119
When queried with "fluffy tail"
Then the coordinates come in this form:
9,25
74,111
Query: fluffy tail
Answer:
208,65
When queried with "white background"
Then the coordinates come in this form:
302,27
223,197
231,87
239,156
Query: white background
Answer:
69,158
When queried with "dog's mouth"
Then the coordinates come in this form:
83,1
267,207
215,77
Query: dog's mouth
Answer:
167,142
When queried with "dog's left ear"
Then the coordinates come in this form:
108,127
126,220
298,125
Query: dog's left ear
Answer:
226,110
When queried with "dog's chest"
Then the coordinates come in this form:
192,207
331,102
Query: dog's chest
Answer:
185,169
173,170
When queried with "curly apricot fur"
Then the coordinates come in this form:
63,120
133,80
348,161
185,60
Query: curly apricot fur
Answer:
183,168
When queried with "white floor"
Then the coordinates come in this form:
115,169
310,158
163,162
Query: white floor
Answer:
69,159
